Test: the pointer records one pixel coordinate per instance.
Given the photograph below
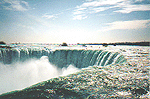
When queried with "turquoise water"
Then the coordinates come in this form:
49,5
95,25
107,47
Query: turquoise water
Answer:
105,72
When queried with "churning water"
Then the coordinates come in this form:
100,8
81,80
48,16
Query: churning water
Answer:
22,67
24,74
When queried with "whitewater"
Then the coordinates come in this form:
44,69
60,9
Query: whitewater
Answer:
78,71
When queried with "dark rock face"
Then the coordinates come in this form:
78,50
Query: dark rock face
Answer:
139,91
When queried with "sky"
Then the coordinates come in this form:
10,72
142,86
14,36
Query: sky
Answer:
74,21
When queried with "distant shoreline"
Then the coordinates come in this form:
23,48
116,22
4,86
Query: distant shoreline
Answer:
146,43
119,43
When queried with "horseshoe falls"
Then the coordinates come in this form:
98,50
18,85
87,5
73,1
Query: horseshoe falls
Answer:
50,71
63,58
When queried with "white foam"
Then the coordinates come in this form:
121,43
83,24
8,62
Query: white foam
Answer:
69,70
21,75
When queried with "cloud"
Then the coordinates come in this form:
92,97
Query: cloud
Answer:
26,26
53,16
88,0
92,6
49,16
79,17
97,3
128,8
15,5
123,25
120,6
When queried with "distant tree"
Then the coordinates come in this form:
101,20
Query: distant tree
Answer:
2,42
84,45
64,44
105,44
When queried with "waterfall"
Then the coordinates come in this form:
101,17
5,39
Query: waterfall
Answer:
62,58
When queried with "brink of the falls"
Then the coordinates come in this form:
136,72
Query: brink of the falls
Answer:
112,72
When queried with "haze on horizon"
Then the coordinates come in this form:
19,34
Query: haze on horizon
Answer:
74,21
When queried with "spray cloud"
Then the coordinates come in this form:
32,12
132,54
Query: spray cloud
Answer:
20,75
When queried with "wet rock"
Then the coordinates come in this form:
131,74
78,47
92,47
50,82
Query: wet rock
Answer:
138,91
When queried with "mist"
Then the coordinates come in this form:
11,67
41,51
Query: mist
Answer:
20,75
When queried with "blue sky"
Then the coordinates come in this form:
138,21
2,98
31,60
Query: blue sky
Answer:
74,21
